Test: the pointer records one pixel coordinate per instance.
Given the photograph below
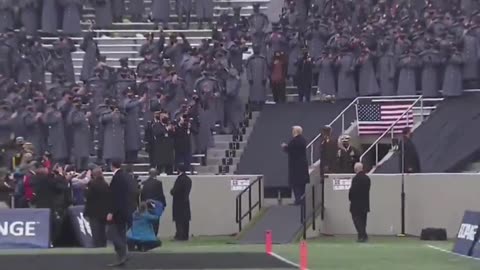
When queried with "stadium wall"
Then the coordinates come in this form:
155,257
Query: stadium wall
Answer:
432,200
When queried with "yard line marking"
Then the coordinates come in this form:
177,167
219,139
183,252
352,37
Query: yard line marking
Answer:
285,260
453,253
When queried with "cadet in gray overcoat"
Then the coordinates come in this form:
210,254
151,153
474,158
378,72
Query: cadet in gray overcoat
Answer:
407,75
367,81
113,135
258,24
161,12
132,106
386,69
257,74
430,60
56,140
72,10
452,78
471,54
204,11
118,10
29,15
7,19
103,13
326,75
49,16
184,10
346,76
234,107
79,123
90,47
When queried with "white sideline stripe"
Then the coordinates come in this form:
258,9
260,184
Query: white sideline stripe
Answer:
285,260
453,253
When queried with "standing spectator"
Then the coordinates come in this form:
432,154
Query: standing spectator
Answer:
7,18
234,107
56,141
298,175
184,10
204,12
103,13
50,16
132,107
96,207
159,138
359,196
29,15
152,189
304,77
328,151
92,53
72,10
181,204
182,142
257,74
161,12
79,185
278,77
113,135
409,160
118,10
79,122
118,215
347,155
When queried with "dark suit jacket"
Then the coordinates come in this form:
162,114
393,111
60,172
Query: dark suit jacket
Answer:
153,190
181,198
98,199
119,192
359,194
297,161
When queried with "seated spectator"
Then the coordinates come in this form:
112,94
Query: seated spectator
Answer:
140,236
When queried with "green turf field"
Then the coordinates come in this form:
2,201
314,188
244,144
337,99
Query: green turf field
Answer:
332,253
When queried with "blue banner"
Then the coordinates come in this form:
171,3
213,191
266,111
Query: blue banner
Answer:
467,233
81,226
24,228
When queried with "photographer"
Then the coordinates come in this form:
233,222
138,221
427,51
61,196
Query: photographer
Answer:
183,141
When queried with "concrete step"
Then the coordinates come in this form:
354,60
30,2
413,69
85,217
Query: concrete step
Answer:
214,153
214,169
223,161
230,145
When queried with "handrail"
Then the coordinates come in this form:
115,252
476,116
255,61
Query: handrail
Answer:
390,128
341,115
303,212
238,203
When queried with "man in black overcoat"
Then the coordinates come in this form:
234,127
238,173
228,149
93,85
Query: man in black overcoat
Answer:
159,138
181,204
359,196
119,214
328,151
408,151
298,175
152,189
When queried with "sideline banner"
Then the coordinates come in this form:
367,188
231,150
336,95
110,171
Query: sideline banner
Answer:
24,228
81,226
467,235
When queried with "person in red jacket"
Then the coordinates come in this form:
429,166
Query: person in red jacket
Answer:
278,77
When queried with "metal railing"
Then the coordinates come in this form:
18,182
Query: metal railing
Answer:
391,129
344,126
239,216
304,218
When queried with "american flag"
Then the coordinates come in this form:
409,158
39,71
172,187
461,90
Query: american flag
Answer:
376,118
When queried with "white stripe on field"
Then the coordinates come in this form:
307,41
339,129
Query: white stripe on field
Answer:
285,260
453,253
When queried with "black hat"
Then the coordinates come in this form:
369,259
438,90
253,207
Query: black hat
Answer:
123,61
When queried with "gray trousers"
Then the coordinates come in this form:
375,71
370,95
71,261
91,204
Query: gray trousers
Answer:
118,236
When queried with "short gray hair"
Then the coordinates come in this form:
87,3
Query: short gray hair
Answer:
358,167
152,172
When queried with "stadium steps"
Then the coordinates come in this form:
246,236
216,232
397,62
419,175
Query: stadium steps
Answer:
263,154
448,140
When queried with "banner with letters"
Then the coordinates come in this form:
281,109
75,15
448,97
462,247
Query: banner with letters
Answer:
24,228
81,226
467,236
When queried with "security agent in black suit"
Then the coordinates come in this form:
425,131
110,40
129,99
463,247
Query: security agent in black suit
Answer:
181,204
152,189
359,196
119,215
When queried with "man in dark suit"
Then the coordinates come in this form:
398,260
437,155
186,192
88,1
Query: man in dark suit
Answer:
181,204
298,175
409,154
359,196
152,189
118,216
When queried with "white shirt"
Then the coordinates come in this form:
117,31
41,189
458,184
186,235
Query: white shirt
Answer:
116,170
